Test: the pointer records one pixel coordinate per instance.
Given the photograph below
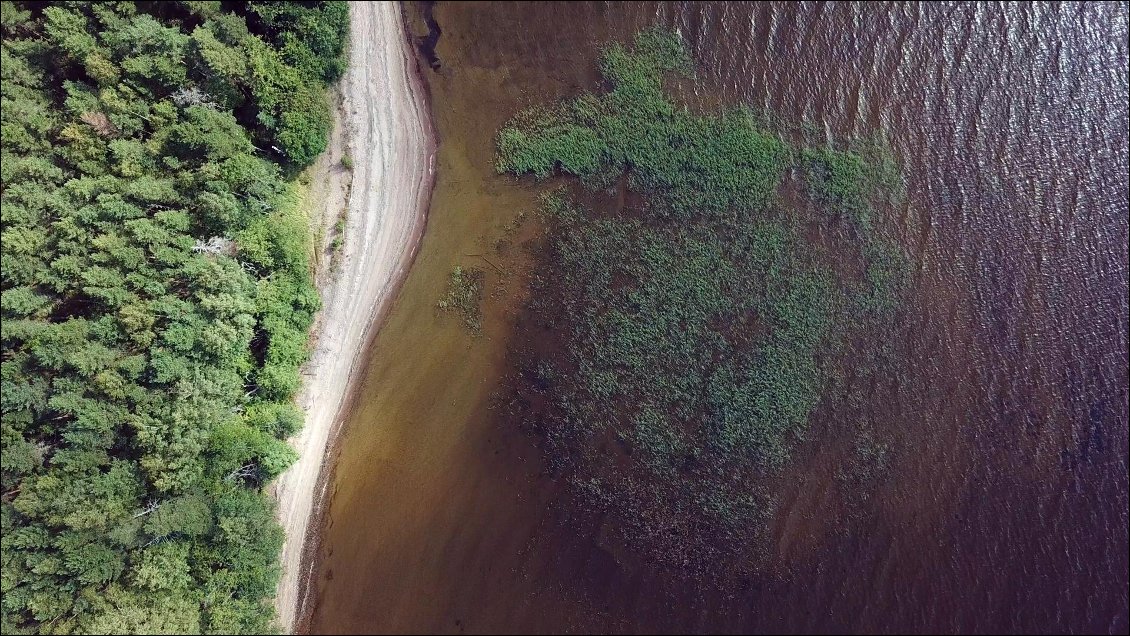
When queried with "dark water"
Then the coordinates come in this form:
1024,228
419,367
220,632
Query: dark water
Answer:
1011,122
1004,505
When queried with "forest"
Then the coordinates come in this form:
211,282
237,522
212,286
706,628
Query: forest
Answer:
691,311
156,301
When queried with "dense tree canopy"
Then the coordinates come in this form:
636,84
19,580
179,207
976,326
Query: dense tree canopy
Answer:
156,301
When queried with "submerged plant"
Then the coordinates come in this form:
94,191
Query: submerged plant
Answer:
695,333
464,295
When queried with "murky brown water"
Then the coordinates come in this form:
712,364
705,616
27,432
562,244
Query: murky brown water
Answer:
1004,506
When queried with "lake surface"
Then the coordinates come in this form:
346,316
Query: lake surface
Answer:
1004,503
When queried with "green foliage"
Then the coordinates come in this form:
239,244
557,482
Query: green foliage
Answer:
692,165
156,297
694,334
309,34
838,178
464,295
299,51
338,234
849,182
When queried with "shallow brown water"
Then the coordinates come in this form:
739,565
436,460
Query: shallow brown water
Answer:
1004,506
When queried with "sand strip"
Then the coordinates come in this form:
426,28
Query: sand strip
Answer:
384,127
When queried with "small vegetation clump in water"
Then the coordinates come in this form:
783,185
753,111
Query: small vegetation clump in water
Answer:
692,334
464,295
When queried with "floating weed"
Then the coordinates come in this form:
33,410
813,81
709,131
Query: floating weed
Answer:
464,297
696,332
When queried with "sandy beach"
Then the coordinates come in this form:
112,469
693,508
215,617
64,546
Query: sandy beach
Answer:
384,128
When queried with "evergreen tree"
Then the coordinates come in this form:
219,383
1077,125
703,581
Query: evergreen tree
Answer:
156,298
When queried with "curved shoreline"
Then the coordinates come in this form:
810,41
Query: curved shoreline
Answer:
385,124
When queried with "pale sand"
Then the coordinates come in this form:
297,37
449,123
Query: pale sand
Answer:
387,132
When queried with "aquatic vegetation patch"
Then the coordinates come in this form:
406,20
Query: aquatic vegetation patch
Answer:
464,296
691,165
850,182
678,346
